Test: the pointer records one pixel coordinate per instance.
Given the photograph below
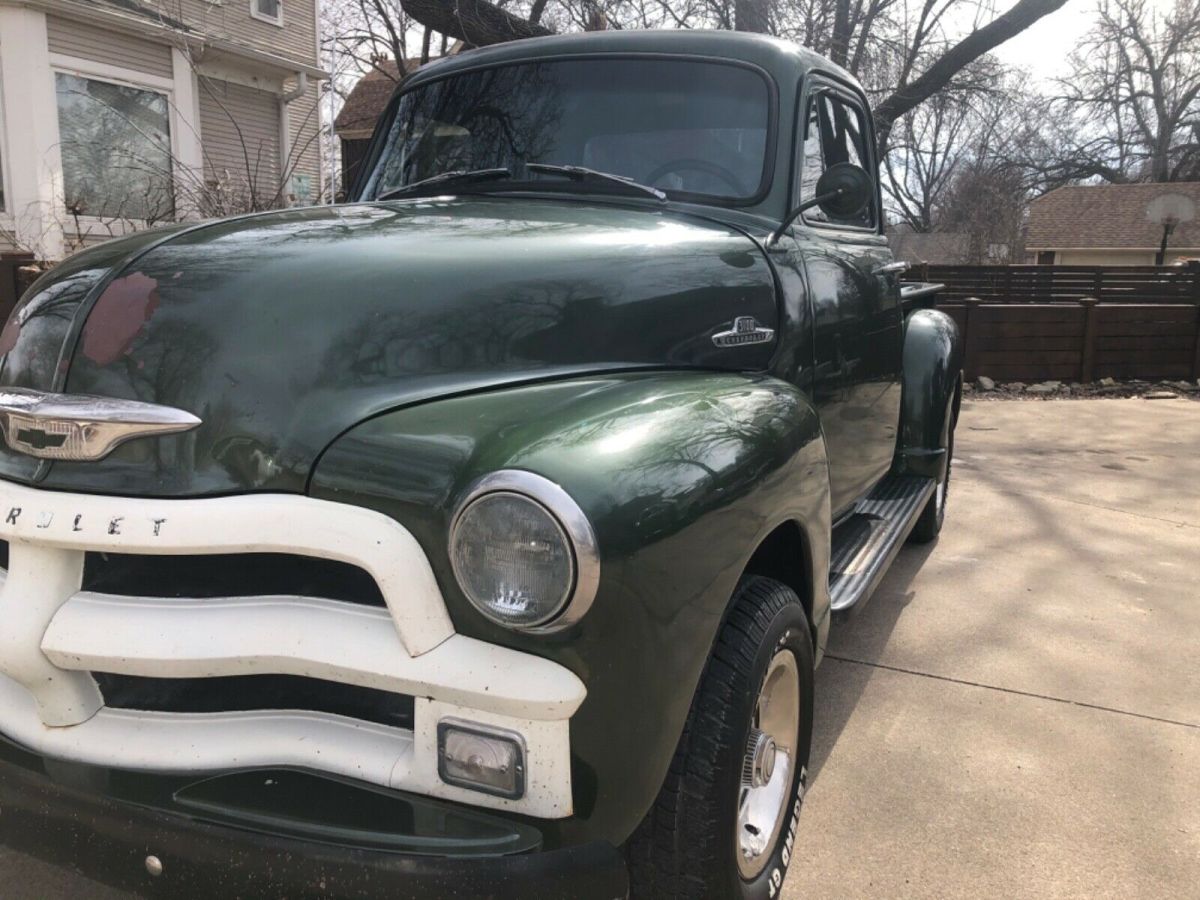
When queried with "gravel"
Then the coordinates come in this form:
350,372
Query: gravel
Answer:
985,388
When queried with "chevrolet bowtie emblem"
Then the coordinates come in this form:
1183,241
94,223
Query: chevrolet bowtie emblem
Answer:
80,426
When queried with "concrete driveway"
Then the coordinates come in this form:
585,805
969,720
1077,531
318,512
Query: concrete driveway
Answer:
1017,712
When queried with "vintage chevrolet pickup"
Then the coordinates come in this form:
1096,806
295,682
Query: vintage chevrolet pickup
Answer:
479,536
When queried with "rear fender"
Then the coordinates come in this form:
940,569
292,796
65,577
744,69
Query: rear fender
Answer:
931,390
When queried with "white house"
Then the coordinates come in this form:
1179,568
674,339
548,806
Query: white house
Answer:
115,114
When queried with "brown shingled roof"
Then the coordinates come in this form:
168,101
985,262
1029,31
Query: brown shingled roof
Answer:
369,98
1108,216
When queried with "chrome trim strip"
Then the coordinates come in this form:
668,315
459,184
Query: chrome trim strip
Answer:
81,427
572,520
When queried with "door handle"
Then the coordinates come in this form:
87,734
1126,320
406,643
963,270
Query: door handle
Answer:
892,268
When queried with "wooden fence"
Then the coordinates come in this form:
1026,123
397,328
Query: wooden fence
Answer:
1042,284
1080,341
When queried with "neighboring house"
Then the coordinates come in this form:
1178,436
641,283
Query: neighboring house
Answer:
119,114
1106,225
364,105
942,248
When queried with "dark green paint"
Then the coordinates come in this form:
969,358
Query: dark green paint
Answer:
387,355
682,475
282,331
932,386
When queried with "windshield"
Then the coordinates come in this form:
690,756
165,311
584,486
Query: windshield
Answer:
687,127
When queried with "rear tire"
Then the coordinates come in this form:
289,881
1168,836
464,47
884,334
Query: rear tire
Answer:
703,838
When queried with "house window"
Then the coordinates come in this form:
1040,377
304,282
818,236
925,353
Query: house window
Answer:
267,10
116,150
835,131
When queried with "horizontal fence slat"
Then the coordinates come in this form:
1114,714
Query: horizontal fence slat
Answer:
1028,357
1147,328
1038,314
1019,372
1022,329
1148,358
1147,313
1142,370
1145,342
1031,342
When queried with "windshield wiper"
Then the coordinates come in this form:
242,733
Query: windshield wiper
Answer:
581,173
465,175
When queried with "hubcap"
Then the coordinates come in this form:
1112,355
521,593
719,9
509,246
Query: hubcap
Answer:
769,764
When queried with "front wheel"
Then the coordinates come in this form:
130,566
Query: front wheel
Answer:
725,821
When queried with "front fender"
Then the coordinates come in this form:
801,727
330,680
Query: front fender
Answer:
680,473
932,374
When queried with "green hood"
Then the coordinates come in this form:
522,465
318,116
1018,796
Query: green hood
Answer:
282,331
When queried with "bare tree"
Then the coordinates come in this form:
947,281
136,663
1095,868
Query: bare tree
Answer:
1135,90
926,56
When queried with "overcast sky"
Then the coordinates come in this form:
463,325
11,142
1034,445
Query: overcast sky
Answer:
1043,48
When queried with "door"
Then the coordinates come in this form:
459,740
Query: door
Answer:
855,295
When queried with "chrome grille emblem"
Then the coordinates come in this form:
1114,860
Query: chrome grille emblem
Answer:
79,426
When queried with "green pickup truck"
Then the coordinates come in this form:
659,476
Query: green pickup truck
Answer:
478,536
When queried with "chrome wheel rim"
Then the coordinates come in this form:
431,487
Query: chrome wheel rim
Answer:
768,765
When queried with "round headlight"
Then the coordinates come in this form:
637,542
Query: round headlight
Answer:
523,552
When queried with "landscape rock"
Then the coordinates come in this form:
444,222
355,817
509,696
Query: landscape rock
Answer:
1107,382
1040,389
985,383
1160,395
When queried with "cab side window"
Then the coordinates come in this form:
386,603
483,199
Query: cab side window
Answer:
835,131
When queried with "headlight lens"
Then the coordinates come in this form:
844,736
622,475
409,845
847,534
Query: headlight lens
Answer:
513,559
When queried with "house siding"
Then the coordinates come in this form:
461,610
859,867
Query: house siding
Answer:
304,116
237,122
1119,257
231,20
85,41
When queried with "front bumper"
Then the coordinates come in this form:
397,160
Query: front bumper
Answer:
105,823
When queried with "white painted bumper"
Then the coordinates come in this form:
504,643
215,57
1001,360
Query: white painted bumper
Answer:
53,635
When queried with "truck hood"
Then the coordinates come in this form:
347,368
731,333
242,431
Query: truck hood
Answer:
281,331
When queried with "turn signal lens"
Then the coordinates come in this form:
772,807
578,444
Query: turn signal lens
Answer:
484,759
512,559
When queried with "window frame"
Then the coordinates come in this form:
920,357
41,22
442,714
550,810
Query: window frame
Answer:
141,81
818,84
255,13
6,217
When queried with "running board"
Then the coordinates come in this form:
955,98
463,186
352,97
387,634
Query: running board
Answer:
865,544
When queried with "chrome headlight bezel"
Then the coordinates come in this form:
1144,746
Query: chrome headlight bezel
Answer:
573,523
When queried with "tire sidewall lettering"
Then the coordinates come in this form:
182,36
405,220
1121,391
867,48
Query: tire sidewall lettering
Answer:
775,881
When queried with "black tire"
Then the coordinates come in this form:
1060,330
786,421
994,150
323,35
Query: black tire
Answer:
929,523
686,846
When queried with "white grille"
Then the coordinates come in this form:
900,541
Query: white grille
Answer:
53,635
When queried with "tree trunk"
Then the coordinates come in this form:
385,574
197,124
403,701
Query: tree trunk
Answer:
752,15
476,22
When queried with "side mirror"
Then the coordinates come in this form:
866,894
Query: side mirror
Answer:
843,191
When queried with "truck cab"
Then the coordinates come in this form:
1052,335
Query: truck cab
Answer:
482,533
